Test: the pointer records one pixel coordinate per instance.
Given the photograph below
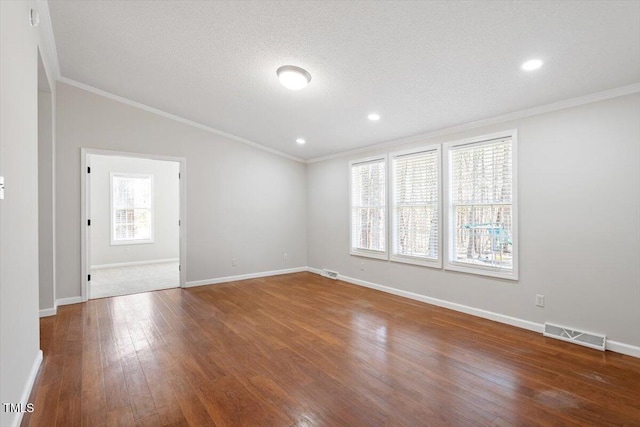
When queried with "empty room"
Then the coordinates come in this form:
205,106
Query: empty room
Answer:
319,213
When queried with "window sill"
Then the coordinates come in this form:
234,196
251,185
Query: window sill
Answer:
417,261
131,242
370,254
480,271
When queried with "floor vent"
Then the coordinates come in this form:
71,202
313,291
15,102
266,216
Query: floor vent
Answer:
578,337
330,274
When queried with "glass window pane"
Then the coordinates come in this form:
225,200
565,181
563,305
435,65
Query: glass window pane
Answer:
481,193
368,201
416,178
131,198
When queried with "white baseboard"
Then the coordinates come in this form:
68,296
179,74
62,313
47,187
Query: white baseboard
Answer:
133,263
615,346
244,277
27,388
314,270
46,312
67,301
513,321
619,347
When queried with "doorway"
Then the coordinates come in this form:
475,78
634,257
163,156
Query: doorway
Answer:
134,228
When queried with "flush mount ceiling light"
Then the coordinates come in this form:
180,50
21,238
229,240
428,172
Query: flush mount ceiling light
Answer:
300,141
292,77
374,117
532,64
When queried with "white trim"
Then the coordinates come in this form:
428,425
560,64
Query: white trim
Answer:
365,253
415,260
132,242
47,44
48,38
85,243
176,118
480,270
27,388
497,317
616,346
448,260
85,247
407,259
370,253
69,301
54,235
101,152
152,196
244,277
547,108
619,347
51,74
134,263
317,271
182,234
46,312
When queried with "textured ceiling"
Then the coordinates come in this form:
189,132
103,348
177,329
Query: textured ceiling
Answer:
423,66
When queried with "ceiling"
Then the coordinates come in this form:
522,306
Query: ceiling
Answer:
423,66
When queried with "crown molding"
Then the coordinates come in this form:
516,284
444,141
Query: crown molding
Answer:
182,120
50,53
560,105
48,49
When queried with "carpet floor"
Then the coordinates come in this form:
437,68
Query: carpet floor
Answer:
109,282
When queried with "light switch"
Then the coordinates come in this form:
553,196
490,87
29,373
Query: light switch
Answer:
1,187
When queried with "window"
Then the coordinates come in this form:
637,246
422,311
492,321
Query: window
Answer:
482,206
131,209
368,208
415,200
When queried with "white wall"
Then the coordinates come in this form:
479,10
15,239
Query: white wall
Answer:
166,207
242,202
19,328
45,199
579,190
248,204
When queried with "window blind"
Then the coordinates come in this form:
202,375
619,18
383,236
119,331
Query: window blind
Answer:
131,204
416,184
368,206
481,202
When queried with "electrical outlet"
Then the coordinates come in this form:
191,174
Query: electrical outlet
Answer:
539,300
234,262
127,251
362,266
285,256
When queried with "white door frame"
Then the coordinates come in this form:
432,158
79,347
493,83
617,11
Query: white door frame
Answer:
85,205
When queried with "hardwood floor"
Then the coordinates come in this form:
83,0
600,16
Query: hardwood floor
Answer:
301,350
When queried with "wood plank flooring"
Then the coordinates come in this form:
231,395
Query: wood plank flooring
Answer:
302,350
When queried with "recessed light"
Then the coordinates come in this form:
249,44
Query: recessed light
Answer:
300,141
292,77
374,117
532,64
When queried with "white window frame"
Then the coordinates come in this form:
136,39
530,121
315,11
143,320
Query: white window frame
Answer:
449,263
394,256
115,242
384,255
